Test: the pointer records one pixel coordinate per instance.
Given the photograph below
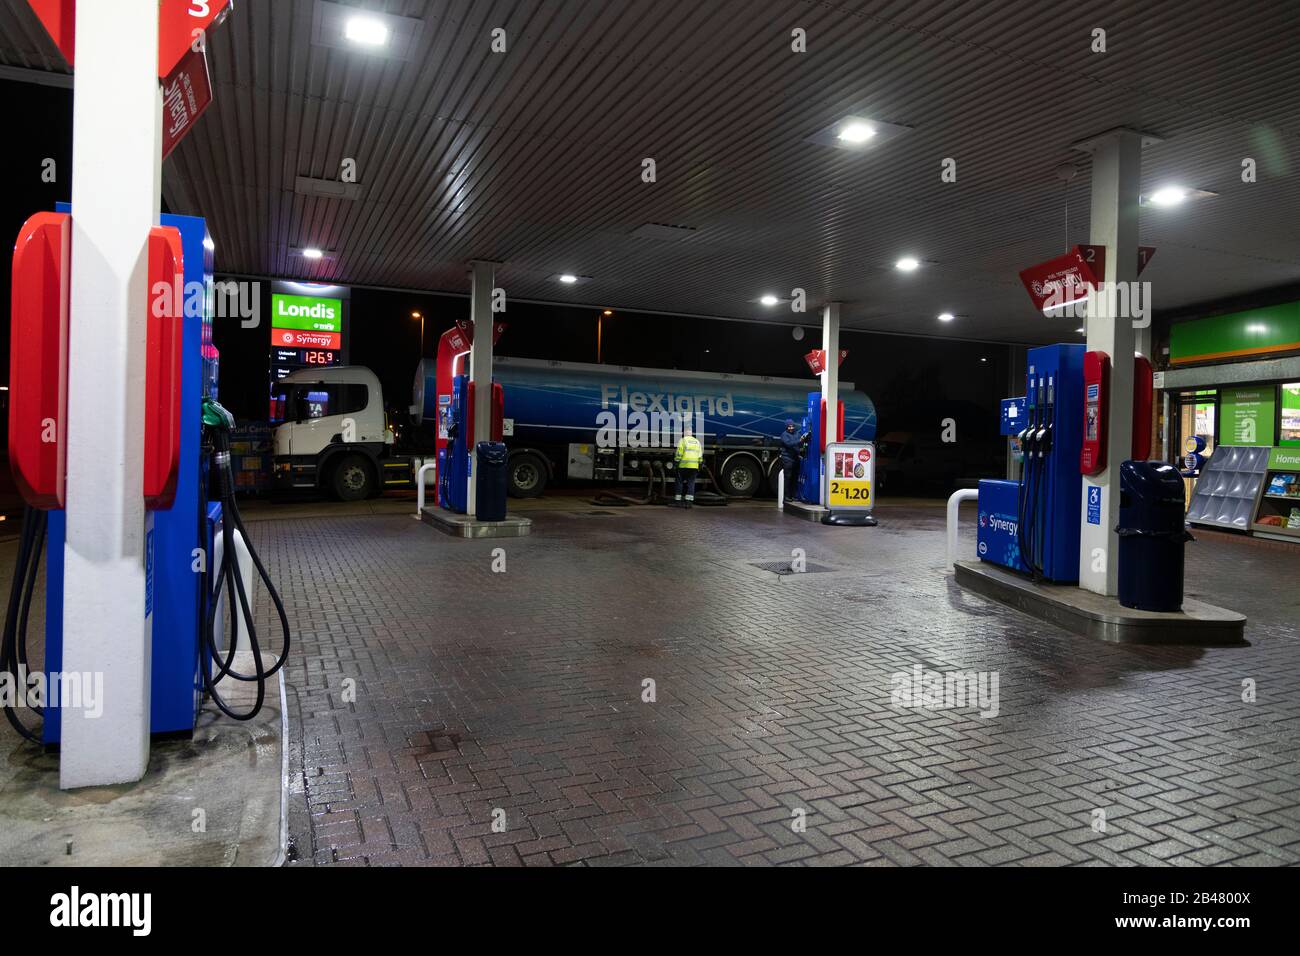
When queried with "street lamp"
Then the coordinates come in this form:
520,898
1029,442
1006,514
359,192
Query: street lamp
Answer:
420,316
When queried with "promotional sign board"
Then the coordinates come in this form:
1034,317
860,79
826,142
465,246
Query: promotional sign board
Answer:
1060,281
1246,415
187,92
850,476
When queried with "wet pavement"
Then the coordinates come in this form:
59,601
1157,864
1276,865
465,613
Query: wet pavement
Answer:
628,687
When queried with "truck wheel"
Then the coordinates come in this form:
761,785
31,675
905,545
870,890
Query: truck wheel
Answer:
527,476
740,477
352,478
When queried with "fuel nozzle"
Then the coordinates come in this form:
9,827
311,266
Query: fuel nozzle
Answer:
1045,434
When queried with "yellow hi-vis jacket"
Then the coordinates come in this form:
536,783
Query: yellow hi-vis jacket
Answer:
689,452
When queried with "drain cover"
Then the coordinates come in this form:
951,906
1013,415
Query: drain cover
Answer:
783,567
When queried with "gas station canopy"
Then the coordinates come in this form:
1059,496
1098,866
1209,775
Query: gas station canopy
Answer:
534,156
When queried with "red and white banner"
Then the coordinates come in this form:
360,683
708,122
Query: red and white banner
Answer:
186,94
301,339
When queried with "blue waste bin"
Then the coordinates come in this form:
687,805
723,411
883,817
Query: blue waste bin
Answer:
490,481
1152,532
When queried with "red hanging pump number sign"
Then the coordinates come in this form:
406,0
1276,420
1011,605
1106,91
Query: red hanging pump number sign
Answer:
180,24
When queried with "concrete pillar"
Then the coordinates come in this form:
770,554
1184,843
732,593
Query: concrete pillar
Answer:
1116,186
830,378
483,278
116,164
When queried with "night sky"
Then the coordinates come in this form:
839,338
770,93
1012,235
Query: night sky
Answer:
915,382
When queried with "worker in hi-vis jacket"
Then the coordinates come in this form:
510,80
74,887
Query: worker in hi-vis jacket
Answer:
687,460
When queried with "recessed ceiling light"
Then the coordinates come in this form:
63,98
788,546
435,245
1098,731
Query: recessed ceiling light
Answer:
568,279
856,132
769,300
907,264
312,253
946,316
366,30
1168,196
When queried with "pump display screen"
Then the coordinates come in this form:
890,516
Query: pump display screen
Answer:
307,357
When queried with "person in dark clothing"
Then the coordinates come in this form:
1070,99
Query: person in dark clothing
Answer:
791,452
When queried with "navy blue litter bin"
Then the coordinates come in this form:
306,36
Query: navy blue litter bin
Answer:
1152,533
490,481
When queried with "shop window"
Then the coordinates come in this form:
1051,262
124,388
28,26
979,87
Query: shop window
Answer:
1290,433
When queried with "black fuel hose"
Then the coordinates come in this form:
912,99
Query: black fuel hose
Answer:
13,644
229,576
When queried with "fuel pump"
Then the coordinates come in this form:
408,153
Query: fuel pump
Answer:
180,379
1063,437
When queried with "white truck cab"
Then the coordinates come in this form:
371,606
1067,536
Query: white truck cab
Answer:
332,433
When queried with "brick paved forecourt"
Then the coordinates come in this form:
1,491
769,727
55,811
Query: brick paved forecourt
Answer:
520,694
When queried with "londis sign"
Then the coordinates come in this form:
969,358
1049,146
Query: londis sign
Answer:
307,313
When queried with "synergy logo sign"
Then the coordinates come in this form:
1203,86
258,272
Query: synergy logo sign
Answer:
306,313
293,339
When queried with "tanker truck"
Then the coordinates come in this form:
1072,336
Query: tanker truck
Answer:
567,421
561,421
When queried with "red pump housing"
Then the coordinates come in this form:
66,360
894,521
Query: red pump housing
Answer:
1096,398
839,431
1096,401
1143,398
38,359
162,383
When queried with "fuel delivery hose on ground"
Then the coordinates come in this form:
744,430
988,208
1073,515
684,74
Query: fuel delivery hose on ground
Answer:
13,645
218,422
615,500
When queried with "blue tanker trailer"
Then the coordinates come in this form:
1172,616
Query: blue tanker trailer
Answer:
616,423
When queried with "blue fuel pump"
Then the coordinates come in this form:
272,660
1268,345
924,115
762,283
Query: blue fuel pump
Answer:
1041,535
456,461
453,479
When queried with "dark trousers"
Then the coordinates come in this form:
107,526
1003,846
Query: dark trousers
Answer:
791,469
684,476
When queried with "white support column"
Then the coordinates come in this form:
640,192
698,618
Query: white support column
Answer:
1116,185
116,165
831,376
483,278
